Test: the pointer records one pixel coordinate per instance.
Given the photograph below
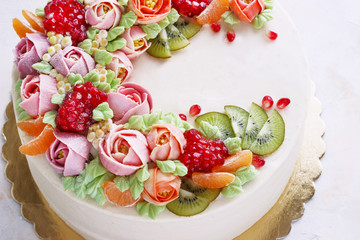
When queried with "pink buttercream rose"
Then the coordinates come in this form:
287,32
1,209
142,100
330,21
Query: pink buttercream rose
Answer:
161,188
122,151
68,153
148,13
247,10
136,42
121,65
166,142
103,14
29,51
130,99
36,93
72,60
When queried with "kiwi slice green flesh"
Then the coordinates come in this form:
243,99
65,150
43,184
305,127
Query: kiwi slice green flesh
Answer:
270,136
189,185
239,118
188,204
188,29
175,39
257,119
219,120
160,46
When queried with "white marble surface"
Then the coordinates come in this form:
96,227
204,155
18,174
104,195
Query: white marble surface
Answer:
330,31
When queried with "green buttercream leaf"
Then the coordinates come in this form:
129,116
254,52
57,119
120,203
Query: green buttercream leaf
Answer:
181,170
24,116
18,86
230,18
262,18
49,118
173,16
135,122
136,187
115,32
164,23
91,32
166,166
143,174
75,79
233,144
40,12
103,57
122,183
115,83
42,67
233,189
116,44
209,131
174,119
110,76
269,4
151,30
150,210
57,98
17,105
94,189
92,77
151,119
102,112
100,196
80,186
103,86
128,19
86,45
246,174
94,169
82,1
123,2
69,183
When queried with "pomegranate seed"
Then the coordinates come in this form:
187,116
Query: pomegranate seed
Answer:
282,103
271,35
216,27
267,102
183,116
194,110
258,162
230,35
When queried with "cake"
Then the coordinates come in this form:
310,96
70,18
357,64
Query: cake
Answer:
210,72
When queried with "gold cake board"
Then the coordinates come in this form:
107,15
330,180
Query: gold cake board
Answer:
274,224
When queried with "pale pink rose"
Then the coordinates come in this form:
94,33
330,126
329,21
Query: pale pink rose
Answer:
121,65
72,60
103,14
136,42
130,99
36,93
123,152
68,153
161,188
166,142
30,51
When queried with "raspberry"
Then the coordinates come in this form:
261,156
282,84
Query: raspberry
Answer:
190,8
66,17
200,154
75,113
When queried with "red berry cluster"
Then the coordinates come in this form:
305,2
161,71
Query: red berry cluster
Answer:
200,154
75,113
66,17
190,8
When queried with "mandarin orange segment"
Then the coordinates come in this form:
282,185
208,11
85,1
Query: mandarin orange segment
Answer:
35,22
32,127
115,196
213,180
235,161
213,12
21,29
40,144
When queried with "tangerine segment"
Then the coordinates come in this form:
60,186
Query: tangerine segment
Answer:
235,161
40,144
213,180
32,127
213,12
117,197
35,22
21,29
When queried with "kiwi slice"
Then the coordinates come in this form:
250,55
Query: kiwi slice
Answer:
271,135
188,204
257,119
239,118
175,39
219,120
188,29
189,185
160,46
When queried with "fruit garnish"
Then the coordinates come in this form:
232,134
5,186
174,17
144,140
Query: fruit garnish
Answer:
117,197
200,154
258,162
66,17
271,35
213,12
267,102
230,35
160,46
215,120
208,193
235,161
183,117
195,110
75,113
21,29
40,144
187,28
35,22
190,8
239,118
213,180
282,103
175,39
32,127
216,27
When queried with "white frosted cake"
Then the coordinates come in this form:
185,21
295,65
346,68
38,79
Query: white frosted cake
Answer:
212,73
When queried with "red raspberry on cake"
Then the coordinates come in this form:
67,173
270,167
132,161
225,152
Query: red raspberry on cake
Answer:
66,17
75,113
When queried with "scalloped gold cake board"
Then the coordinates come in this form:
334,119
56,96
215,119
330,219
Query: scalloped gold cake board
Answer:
274,224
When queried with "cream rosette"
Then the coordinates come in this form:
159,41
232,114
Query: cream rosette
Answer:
103,14
121,65
136,43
